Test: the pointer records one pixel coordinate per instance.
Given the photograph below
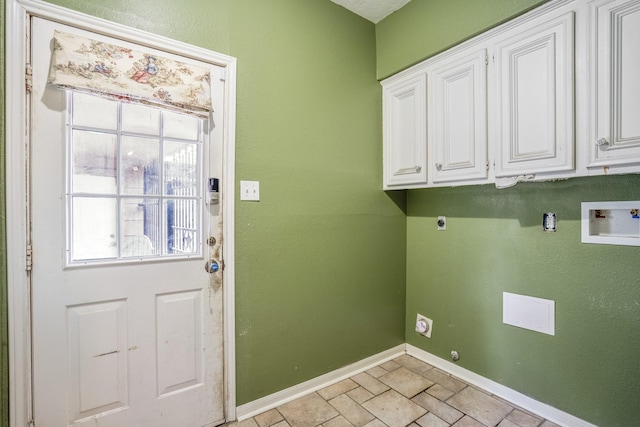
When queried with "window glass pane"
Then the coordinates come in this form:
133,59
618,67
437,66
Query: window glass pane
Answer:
140,219
94,228
181,168
94,111
134,191
180,126
182,222
138,118
94,162
139,167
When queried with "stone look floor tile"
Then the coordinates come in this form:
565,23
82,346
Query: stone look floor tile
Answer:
507,423
406,382
467,421
440,409
360,394
337,389
480,406
431,420
354,413
394,409
413,364
440,392
338,421
247,423
376,372
382,392
370,383
269,418
522,419
445,380
390,366
307,411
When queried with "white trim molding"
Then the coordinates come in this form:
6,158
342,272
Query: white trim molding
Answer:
525,402
18,13
271,401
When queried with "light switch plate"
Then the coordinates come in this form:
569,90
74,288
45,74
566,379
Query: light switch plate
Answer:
250,191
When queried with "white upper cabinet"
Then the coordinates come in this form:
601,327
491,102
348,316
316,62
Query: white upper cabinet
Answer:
457,118
534,80
551,94
405,132
614,134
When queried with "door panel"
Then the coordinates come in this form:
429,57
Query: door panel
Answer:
534,80
615,135
405,132
127,324
458,117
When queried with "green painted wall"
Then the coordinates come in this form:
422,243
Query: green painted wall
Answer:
320,260
494,243
423,28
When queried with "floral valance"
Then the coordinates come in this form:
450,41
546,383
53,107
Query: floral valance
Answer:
83,64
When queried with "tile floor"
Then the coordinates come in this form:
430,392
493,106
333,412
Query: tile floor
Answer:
402,392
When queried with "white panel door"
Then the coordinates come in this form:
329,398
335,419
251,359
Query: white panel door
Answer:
127,324
534,84
405,132
458,117
615,55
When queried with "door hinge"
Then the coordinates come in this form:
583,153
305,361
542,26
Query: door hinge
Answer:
29,260
31,423
28,74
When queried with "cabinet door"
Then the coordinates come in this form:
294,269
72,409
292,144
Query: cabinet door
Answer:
457,131
405,137
534,104
615,53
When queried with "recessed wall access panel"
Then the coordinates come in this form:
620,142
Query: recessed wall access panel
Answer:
611,223
536,314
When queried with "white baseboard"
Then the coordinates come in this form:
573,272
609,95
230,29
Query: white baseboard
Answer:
271,401
541,409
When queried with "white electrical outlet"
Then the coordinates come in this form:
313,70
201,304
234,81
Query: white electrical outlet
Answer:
250,191
424,325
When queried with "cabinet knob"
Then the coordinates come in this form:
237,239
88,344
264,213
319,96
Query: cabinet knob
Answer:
439,166
602,141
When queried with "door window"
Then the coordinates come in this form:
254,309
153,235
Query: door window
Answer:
133,181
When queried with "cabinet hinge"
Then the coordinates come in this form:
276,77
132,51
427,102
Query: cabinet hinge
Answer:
486,60
487,164
31,423
223,74
28,74
29,259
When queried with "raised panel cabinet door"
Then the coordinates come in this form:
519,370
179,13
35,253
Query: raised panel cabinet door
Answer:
615,55
457,126
534,82
404,133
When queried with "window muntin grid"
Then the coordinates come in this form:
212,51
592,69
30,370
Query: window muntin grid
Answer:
134,189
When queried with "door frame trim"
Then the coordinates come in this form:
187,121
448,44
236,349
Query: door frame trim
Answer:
17,146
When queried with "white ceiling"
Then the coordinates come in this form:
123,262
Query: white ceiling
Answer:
373,10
